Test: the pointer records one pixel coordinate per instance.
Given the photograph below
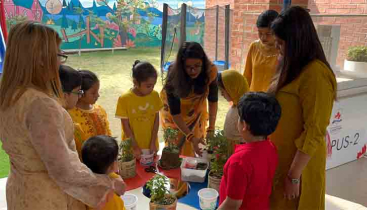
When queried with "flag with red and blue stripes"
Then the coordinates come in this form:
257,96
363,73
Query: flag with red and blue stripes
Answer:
2,50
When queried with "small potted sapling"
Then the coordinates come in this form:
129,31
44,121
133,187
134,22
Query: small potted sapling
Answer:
220,153
211,142
356,60
171,153
160,196
126,159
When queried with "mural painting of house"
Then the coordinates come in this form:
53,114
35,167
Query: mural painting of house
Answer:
29,8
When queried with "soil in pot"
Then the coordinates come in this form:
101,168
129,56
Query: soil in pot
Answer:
168,203
170,159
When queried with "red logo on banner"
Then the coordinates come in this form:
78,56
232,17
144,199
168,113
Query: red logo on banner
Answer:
361,153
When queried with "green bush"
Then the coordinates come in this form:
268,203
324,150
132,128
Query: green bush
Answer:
358,54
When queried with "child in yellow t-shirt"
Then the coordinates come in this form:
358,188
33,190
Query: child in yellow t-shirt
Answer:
138,109
90,118
100,153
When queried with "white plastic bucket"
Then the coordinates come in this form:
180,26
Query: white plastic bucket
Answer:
146,158
208,198
130,201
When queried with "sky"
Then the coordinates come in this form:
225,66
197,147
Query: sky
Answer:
172,3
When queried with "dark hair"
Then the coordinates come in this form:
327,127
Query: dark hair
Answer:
220,81
89,79
266,18
260,111
178,82
70,78
99,152
142,71
302,45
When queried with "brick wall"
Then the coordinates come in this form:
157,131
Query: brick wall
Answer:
210,28
242,29
353,30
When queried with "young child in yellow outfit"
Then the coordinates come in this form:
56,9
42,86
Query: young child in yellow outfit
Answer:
232,86
100,153
262,56
71,82
91,119
138,109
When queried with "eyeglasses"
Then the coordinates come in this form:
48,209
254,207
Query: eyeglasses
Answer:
193,67
63,57
80,93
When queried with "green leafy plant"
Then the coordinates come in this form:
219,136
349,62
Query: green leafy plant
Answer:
170,136
159,194
219,144
358,54
214,139
126,153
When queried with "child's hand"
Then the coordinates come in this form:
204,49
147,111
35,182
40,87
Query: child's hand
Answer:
137,152
119,186
153,149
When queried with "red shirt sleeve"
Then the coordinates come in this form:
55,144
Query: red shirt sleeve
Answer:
237,180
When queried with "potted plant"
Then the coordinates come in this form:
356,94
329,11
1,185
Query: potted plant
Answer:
356,60
160,196
220,153
208,152
126,159
171,153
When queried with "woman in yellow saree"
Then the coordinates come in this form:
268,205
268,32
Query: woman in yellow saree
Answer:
191,81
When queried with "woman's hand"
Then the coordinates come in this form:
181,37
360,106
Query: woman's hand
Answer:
195,142
291,190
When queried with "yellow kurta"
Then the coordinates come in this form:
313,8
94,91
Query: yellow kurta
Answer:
89,123
260,66
141,113
193,107
306,104
114,202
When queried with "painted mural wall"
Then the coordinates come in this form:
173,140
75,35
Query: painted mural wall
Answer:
85,24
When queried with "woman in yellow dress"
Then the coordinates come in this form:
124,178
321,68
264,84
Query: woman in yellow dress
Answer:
190,83
37,132
305,86
262,56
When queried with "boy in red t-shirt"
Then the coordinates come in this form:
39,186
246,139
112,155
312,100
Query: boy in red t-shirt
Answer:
248,173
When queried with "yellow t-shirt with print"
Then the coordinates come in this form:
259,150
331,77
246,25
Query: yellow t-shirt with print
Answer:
141,112
113,202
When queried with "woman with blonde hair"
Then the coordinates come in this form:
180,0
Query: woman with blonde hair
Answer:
37,133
